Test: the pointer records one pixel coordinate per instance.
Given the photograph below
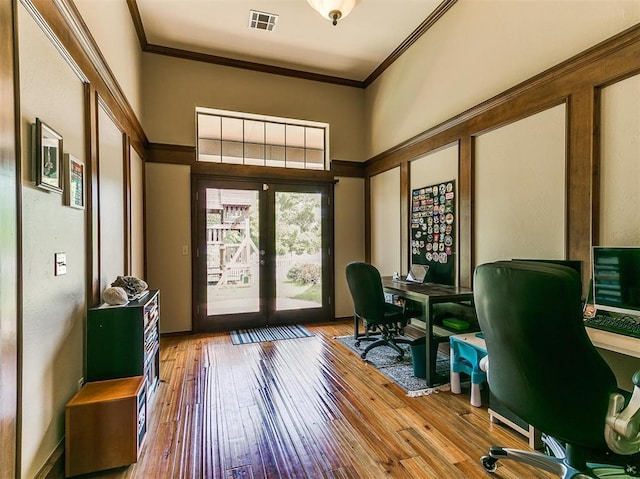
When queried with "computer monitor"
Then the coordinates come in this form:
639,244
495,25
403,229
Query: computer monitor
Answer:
417,273
616,279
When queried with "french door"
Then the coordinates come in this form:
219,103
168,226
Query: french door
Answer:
262,253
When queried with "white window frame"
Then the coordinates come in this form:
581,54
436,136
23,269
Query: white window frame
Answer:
269,148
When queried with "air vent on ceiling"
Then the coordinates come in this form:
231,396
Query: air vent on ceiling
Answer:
262,20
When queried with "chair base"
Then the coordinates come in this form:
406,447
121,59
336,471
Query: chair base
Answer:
391,342
558,463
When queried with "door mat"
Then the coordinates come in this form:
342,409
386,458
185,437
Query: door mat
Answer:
269,333
386,361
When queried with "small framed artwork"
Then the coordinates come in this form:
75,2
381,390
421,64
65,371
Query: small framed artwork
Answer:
74,182
48,157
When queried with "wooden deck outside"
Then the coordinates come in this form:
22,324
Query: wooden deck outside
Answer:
305,408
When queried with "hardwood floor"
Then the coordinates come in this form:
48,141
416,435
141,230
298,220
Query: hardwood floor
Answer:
305,408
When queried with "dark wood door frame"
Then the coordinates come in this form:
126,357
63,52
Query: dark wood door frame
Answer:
10,241
267,283
199,186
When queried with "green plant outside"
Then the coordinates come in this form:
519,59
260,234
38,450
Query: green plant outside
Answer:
313,293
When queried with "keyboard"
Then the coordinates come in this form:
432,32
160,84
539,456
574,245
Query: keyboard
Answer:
625,325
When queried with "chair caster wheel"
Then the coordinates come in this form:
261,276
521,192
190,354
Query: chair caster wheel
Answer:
363,355
489,463
357,344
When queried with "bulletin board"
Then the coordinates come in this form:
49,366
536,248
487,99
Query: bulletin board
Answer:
433,230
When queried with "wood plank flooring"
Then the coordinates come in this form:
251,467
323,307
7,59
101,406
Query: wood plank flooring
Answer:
305,408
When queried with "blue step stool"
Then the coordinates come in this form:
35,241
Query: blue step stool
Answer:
467,350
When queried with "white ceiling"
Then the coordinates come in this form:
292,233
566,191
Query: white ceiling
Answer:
302,39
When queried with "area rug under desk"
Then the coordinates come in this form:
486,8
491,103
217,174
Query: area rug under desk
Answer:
386,361
269,333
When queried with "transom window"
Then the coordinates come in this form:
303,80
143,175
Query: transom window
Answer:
256,140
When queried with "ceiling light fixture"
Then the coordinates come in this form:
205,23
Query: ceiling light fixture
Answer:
333,10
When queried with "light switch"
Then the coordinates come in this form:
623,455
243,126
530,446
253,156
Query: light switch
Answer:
185,250
60,263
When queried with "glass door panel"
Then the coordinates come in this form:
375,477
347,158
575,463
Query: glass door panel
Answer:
298,250
232,254
262,254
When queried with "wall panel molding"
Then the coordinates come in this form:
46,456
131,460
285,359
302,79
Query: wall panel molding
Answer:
10,241
73,39
93,197
172,154
126,171
186,155
575,82
608,62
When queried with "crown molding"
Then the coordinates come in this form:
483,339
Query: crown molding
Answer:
411,39
245,65
147,47
583,67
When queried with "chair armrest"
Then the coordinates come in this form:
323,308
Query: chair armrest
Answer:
622,424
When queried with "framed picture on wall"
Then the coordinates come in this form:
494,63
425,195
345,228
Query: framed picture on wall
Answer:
48,157
74,182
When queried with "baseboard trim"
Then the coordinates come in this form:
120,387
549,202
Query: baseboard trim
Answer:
54,467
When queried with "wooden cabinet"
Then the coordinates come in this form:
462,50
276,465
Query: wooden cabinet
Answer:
123,341
105,423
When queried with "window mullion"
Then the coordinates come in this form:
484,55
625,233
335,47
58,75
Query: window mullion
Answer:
229,150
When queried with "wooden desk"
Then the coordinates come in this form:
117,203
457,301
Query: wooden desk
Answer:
618,343
430,294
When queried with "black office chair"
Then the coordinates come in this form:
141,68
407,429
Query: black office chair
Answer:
544,368
378,317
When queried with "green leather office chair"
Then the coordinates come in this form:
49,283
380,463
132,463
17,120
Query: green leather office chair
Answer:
544,368
386,321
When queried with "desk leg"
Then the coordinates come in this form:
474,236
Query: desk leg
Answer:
356,326
430,366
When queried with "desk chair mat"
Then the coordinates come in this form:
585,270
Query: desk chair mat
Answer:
401,372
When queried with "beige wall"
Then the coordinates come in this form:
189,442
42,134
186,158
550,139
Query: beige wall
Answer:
111,204
474,53
463,60
349,228
619,180
168,193
175,87
137,215
169,229
436,167
386,224
122,50
519,199
480,49
53,306
477,50
620,164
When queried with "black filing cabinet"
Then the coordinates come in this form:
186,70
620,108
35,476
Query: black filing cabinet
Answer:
123,341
